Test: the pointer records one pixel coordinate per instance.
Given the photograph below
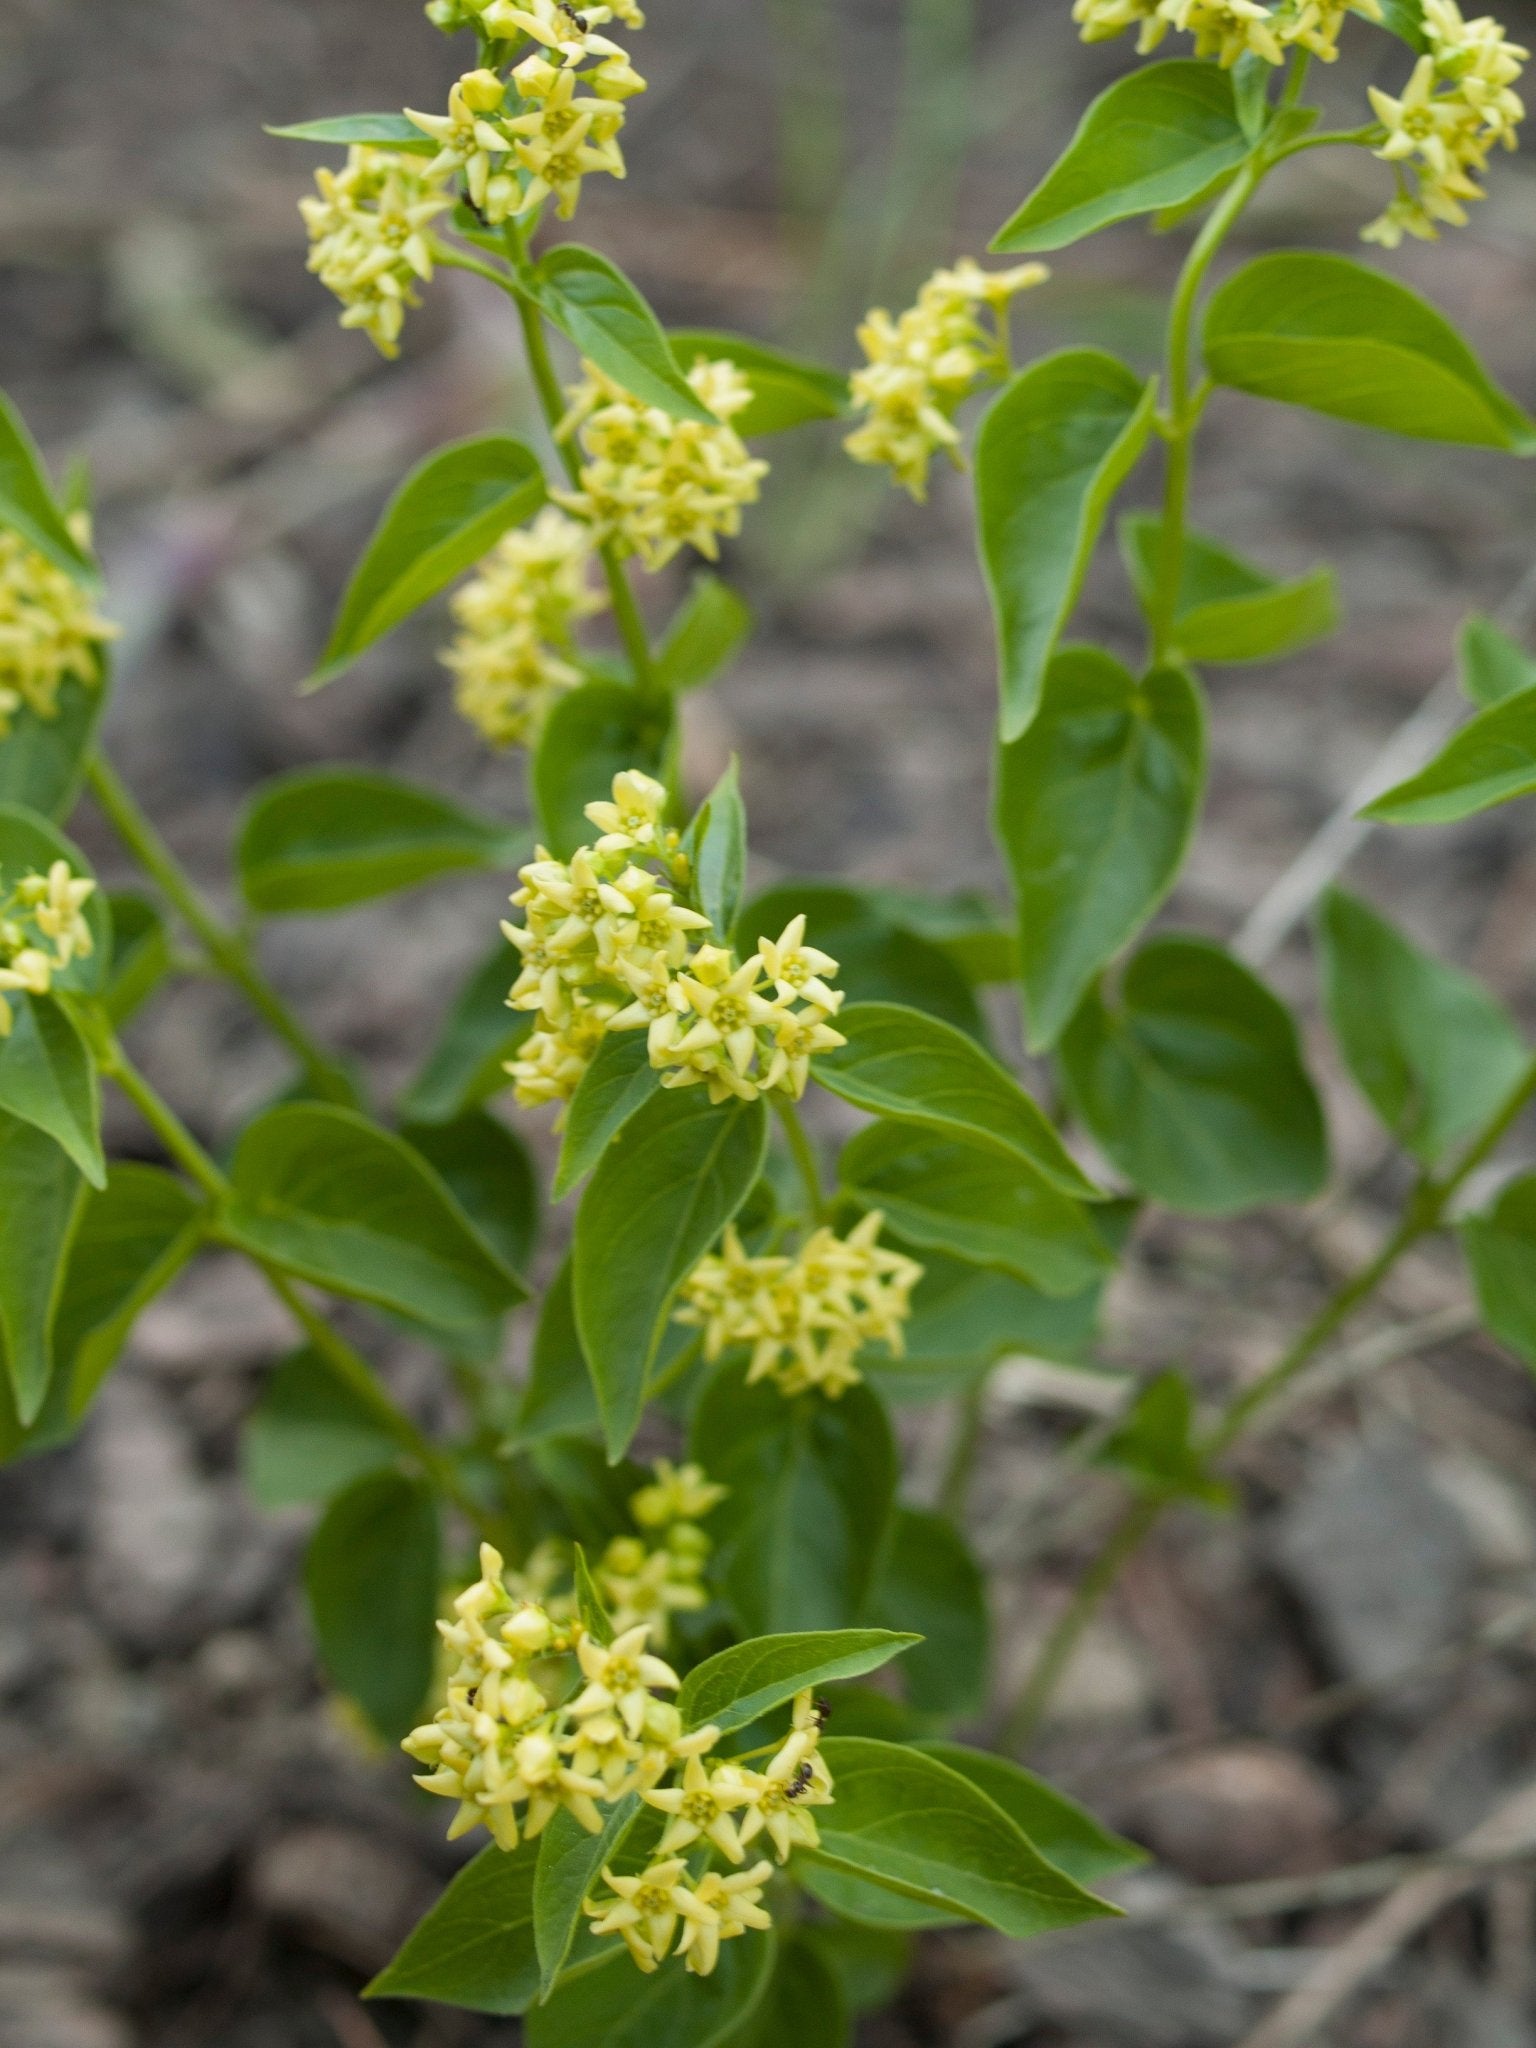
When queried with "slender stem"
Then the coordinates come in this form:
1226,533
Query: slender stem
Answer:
349,1365
228,952
955,1486
804,1155
1427,1209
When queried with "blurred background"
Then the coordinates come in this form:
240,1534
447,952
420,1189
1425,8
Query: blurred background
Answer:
193,1850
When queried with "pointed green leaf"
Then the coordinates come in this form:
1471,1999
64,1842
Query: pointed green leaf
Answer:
899,1063
475,1948
1157,1444
804,2005
325,1194
1055,446
930,1581
1155,138
42,760
1229,611
569,1869
449,512
607,321
710,629
1096,807
48,1078
27,503
615,2006
40,1199
559,1398
141,953
1490,761
735,1686
589,1602
975,1203
1330,334
323,839
966,1317
662,1193
1501,1250
620,1081
490,1174
787,391
813,1483
1063,1832
391,131
1493,667
372,1577
1192,1081
908,1822
1432,1050
716,844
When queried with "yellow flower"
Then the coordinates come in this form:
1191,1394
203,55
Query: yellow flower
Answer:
620,1677
644,1910
779,1797
50,632
679,1493
700,1809
42,930
632,822
1100,20
653,484
368,230
552,1059
1228,29
513,654
922,366
724,1908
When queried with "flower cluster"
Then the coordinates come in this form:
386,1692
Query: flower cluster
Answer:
49,630
922,366
1227,29
806,1317
653,484
650,1577
721,1808
369,237
42,929
608,946
1459,103
511,1749
512,654
561,122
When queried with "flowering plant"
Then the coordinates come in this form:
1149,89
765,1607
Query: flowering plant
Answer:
644,1684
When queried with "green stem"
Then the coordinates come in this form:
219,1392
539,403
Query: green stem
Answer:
955,1487
804,1155
1427,1209
227,951
350,1366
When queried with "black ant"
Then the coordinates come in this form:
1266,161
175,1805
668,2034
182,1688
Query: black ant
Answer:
822,1709
800,1784
579,19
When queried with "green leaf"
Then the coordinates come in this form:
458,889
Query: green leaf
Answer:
901,1064
593,733
868,1963
716,844
735,1686
1432,1050
618,2008
1229,611
480,1034
930,1581
141,954
910,1823
1250,93
1493,667
812,1485
475,1948
1327,333
1156,138
1061,1830
27,503
964,1318
881,956
787,391
559,1398
871,1906
804,2004
326,1195
372,1577
48,1078
1157,1445
1055,446
662,1193
1096,807
29,845
394,131
490,1174
608,322
309,1436
325,838
1501,1250
620,1081
42,760
40,1199
589,1602
1405,18
1192,1082
1490,761
975,1203
569,1867
708,632
450,511
966,927
132,1239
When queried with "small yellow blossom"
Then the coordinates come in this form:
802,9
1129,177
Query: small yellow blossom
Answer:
778,1798
42,931
700,1808
513,655
1101,20
922,366
50,633
653,484
1228,29
726,1907
620,1678
369,234
678,1493
645,1909
805,1318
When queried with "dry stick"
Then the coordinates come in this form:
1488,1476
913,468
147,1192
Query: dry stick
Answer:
1267,1896
1415,742
1508,1834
